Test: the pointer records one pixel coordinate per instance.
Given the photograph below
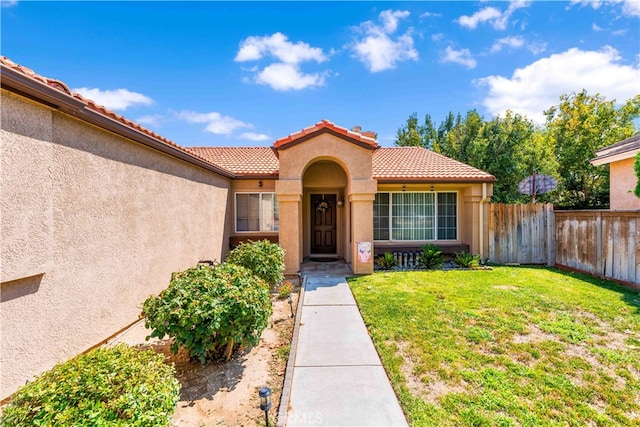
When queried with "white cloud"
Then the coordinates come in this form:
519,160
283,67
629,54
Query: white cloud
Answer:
150,120
378,50
462,57
285,73
629,7
118,99
8,3
216,123
252,136
533,89
497,18
511,42
278,46
483,15
595,27
430,15
390,18
283,77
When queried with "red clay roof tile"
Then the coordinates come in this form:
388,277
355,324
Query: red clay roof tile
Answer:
242,161
417,163
389,164
365,138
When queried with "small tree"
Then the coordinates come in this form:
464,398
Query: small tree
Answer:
210,311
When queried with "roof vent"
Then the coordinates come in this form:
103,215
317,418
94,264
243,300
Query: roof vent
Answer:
356,129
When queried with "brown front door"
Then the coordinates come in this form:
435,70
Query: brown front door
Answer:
323,224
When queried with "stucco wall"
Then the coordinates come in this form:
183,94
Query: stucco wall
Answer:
622,182
92,224
355,163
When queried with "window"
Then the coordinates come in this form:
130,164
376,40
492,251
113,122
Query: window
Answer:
415,216
257,212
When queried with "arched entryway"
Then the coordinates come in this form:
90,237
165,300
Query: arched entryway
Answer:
324,210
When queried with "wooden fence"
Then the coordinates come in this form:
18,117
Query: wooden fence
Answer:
602,243
521,234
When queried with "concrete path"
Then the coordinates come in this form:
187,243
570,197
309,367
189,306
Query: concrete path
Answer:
338,379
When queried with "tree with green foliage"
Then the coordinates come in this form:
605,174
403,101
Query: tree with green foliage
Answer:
507,147
410,134
636,167
460,139
579,126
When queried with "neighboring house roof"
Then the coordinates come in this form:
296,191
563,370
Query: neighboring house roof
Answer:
363,139
388,164
56,94
419,164
622,150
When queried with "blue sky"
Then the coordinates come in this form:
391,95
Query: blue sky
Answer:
248,73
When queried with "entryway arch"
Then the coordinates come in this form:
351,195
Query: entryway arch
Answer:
324,212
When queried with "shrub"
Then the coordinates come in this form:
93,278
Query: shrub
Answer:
466,260
210,311
118,386
263,258
430,257
387,261
284,290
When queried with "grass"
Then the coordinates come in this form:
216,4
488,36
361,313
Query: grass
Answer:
508,347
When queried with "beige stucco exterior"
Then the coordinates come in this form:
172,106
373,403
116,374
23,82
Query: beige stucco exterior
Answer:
96,213
326,164
622,181
92,224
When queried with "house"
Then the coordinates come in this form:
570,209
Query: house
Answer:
622,179
97,212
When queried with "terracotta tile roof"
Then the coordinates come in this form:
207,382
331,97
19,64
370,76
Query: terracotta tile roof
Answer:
365,139
419,164
93,106
242,161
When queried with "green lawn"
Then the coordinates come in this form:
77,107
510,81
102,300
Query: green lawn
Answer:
510,346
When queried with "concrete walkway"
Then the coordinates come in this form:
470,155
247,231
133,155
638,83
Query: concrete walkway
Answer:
337,376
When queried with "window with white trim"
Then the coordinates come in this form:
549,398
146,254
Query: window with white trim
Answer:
257,212
414,216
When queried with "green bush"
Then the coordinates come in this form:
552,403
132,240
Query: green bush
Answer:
430,257
285,289
466,260
210,311
263,258
119,386
387,261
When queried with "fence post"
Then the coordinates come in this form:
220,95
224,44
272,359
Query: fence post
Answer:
551,235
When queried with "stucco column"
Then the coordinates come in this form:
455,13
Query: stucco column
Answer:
362,194
472,219
289,193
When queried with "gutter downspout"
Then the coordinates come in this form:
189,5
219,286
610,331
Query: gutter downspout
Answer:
481,212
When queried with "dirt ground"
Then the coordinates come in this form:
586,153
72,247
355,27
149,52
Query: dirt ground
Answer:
226,394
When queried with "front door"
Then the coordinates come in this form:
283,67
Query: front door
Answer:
323,224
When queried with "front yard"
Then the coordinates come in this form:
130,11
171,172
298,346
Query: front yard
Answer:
511,346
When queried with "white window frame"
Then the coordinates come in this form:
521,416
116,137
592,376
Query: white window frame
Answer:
260,212
437,239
